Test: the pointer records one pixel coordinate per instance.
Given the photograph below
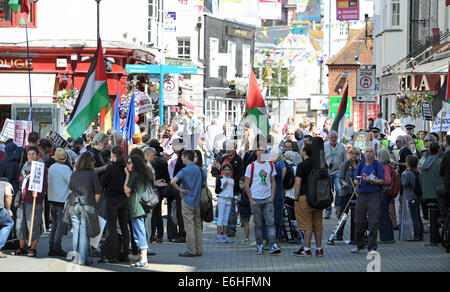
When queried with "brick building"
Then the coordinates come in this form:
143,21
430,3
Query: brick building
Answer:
342,70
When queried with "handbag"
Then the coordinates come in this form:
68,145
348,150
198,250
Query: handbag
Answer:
173,212
206,206
149,198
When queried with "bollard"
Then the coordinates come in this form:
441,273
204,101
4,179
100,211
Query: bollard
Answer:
434,225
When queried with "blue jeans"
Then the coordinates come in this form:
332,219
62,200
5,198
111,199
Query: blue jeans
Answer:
80,236
6,225
334,178
139,232
264,209
58,227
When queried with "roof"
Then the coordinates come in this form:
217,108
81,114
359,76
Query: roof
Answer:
356,46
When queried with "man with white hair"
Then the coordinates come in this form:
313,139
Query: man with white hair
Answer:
335,155
402,145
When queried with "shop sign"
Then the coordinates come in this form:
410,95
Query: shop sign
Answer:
15,63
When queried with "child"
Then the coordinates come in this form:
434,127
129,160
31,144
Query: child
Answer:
245,211
224,191
412,196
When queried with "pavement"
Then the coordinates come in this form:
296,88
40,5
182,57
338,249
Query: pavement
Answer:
401,256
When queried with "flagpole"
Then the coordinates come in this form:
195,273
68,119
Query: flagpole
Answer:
30,116
444,101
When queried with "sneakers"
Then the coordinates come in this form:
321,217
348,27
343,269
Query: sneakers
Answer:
275,249
372,252
227,240
319,252
244,241
2,255
220,239
302,252
259,249
355,250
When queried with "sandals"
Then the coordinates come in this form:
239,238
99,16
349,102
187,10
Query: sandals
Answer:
139,264
19,251
32,253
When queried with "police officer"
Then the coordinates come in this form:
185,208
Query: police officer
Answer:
418,143
378,142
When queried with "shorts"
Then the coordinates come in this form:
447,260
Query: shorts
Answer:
244,219
308,219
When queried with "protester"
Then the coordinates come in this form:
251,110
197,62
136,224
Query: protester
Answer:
245,212
326,129
385,222
308,219
305,125
59,176
280,168
382,124
85,189
412,196
369,176
290,123
346,175
397,131
25,209
348,133
290,136
444,172
137,175
117,209
10,166
191,178
6,221
225,196
260,186
335,155
392,117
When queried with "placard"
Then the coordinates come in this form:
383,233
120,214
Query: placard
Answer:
235,132
361,140
57,139
7,131
143,104
427,111
20,128
36,177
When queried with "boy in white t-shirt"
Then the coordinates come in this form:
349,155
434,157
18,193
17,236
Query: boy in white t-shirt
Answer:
260,187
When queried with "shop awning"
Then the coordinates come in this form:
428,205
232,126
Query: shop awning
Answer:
186,103
14,88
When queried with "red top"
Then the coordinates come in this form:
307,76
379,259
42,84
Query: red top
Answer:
27,196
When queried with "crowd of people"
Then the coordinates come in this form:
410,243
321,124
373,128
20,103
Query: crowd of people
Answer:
264,177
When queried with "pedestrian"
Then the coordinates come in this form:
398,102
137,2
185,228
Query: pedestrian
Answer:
85,193
290,136
392,117
346,175
280,168
335,156
382,124
59,176
10,166
305,125
385,222
444,172
412,197
25,209
260,186
348,133
326,129
137,175
192,178
299,138
369,177
225,196
430,179
309,219
290,123
6,221
245,212
117,209
293,159
370,124
397,131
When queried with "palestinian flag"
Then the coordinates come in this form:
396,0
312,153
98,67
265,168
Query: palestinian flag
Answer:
256,108
339,121
93,97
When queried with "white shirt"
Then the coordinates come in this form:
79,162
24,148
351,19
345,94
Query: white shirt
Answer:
261,186
227,194
394,135
381,124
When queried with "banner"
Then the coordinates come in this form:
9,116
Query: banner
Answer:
269,9
308,10
347,10
19,128
7,131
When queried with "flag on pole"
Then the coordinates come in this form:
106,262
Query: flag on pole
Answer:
255,107
447,94
339,121
93,97
14,5
128,129
116,118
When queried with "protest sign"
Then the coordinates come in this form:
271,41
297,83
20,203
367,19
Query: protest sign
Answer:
36,177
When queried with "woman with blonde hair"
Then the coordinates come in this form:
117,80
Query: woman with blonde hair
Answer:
385,223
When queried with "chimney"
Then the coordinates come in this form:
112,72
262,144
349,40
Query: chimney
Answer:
436,36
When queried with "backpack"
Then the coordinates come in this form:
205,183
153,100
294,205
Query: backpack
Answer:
393,189
319,194
289,178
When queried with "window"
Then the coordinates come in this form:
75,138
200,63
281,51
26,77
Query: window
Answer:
395,13
155,21
184,49
11,19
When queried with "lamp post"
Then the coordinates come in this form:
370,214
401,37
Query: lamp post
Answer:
98,19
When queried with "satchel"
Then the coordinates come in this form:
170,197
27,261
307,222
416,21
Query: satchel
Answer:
149,198
206,206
